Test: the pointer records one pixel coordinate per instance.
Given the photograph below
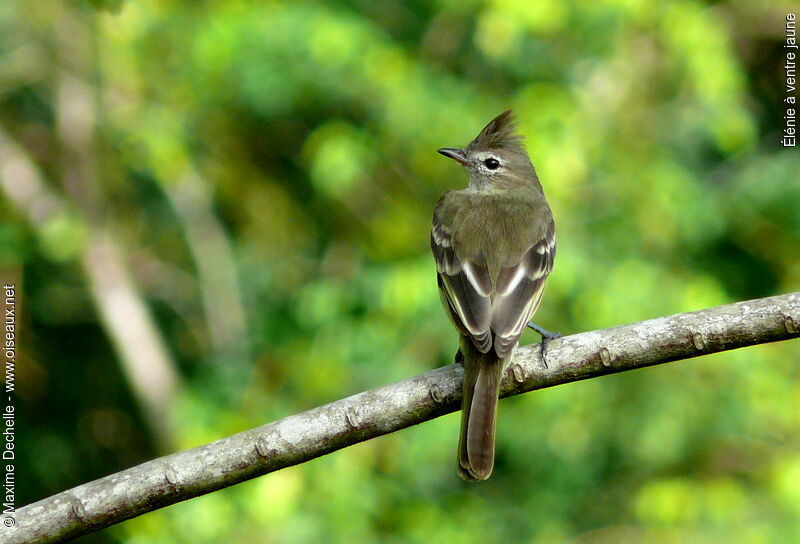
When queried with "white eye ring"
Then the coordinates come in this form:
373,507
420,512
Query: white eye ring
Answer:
491,163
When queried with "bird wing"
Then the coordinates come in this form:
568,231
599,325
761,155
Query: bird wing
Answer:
465,287
491,313
518,292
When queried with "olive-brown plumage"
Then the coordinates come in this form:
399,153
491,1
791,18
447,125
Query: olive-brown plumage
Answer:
494,245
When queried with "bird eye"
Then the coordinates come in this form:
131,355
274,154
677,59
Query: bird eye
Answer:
491,163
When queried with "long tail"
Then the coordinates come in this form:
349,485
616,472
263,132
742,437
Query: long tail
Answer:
482,375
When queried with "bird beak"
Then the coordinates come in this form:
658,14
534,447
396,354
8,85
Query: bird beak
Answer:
455,154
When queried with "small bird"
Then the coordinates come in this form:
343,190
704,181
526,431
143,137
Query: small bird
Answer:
494,244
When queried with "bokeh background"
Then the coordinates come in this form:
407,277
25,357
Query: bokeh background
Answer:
218,214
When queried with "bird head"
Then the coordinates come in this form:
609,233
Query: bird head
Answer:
495,157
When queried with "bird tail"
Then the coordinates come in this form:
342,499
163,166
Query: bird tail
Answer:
482,375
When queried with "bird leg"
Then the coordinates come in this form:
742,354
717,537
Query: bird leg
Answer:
546,337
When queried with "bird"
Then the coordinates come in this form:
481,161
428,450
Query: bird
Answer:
494,244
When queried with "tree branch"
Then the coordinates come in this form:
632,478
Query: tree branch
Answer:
299,438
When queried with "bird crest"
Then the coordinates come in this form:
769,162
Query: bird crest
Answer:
501,132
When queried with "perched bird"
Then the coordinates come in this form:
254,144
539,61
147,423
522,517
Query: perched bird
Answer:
494,244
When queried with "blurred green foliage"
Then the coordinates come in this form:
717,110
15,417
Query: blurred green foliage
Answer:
293,144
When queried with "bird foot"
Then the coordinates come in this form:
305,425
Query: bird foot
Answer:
546,337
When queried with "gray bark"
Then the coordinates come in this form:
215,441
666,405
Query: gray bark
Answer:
299,438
